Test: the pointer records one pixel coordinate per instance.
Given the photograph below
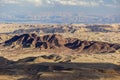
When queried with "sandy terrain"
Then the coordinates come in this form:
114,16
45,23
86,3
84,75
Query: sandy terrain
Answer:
35,64
106,33
42,65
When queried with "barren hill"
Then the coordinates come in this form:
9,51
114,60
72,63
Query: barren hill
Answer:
51,68
55,41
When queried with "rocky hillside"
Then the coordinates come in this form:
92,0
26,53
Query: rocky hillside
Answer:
54,42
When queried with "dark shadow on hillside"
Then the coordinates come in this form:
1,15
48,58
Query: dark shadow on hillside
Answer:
61,71
98,28
38,30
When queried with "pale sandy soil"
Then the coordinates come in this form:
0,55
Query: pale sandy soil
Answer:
85,73
89,71
111,37
75,57
81,32
84,67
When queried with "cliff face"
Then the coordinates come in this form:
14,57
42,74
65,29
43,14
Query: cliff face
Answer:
57,41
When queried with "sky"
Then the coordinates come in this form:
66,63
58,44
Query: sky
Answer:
14,8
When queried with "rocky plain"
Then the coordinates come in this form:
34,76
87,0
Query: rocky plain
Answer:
59,51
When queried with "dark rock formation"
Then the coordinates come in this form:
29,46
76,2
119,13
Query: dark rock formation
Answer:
58,42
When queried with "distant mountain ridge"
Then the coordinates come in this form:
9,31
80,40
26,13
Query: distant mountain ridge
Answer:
62,18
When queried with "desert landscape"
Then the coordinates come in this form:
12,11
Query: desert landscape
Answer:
59,39
59,51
